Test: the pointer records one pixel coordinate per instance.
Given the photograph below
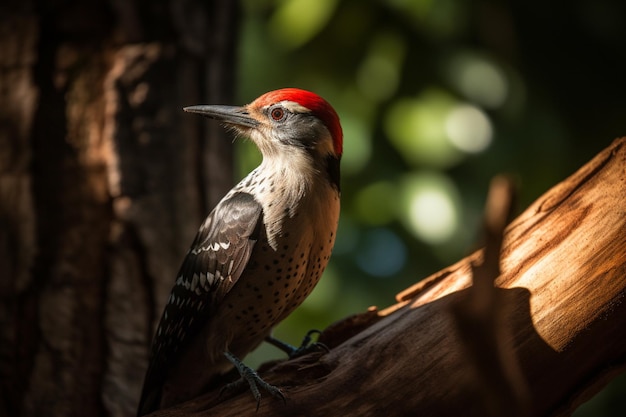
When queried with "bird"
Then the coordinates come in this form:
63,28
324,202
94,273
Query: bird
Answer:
257,255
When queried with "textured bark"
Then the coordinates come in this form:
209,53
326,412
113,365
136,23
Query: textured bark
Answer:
18,98
103,182
546,337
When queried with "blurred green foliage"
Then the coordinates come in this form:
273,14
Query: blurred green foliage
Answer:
435,98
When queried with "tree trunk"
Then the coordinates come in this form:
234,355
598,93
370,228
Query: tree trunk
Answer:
547,336
103,182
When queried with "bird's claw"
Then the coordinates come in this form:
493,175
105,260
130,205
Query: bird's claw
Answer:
305,347
254,381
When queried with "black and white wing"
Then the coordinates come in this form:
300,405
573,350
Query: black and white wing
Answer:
217,257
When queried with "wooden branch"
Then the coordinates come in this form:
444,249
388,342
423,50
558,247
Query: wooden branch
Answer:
553,322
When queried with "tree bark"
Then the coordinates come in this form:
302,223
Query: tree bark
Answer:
103,182
546,337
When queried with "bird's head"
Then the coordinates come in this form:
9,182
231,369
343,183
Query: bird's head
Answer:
283,121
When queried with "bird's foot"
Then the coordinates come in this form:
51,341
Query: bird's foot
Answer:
305,347
254,381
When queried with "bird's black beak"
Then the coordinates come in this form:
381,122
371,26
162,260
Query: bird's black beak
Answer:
233,115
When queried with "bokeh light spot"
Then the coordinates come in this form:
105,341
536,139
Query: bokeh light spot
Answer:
431,207
382,253
379,74
478,79
416,127
469,128
295,22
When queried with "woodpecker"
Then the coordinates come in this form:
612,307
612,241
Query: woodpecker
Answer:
258,254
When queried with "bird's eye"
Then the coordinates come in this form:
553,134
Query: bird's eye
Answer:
277,113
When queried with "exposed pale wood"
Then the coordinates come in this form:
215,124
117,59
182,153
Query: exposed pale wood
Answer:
559,299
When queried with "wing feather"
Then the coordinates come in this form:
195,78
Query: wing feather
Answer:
214,263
